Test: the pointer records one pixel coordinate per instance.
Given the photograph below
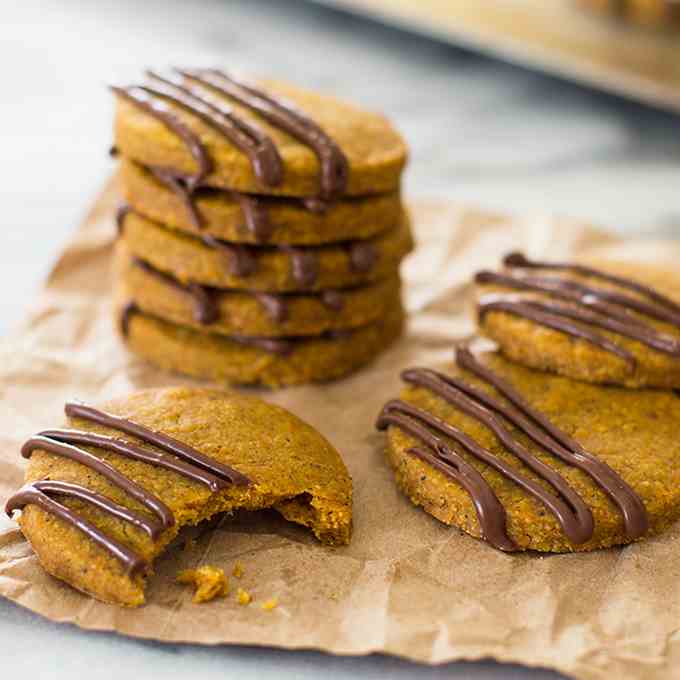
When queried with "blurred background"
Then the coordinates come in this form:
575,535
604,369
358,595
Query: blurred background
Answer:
481,130
502,103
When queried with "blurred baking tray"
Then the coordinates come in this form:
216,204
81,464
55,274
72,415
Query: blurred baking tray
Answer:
554,35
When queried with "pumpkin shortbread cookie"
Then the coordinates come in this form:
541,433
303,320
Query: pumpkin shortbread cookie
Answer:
229,312
273,362
532,461
242,218
261,137
605,322
275,268
105,497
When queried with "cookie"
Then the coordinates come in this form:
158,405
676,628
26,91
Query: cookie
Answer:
532,461
603,322
654,13
273,362
276,268
229,312
102,500
244,218
260,137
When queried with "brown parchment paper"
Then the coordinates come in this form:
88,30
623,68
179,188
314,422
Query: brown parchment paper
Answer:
407,585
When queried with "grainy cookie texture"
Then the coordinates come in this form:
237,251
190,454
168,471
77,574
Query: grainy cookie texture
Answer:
574,319
375,152
273,362
288,220
242,312
632,433
287,465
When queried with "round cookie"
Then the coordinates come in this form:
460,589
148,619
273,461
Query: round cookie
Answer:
287,221
654,13
582,323
234,312
630,435
266,361
375,153
279,461
280,269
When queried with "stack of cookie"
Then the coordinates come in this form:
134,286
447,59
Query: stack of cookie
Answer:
565,439
262,230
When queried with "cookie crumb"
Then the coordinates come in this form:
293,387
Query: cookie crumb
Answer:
238,570
271,603
243,597
209,582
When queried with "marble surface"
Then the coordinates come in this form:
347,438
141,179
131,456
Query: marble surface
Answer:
480,131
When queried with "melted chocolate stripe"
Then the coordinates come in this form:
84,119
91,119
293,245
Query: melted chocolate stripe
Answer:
203,299
30,495
252,141
334,165
241,260
587,296
162,441
133,452
557,442
47,486
568,508
547,314
490,512
129,486
521,261
145,100
176,185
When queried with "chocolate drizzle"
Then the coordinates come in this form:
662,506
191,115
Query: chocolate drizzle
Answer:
362,256
203,298
585,304
304,264
282,114
241,259
174,455
568,508
216,113
332,299
275,305
152,102
126,314
202,94
122,212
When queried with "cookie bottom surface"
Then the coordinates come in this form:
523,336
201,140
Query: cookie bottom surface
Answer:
223,359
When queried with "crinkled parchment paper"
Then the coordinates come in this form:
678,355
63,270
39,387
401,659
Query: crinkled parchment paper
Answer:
407,585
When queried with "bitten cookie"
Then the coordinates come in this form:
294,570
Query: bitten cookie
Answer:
105,497
262,137
273,362
532,461
604,322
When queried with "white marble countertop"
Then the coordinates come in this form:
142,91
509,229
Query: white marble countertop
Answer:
480,131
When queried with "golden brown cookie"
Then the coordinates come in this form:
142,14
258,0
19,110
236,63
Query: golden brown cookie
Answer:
229,312
603,322
532,461
280,268
261,137
655,13
253,219
99,511
273,362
